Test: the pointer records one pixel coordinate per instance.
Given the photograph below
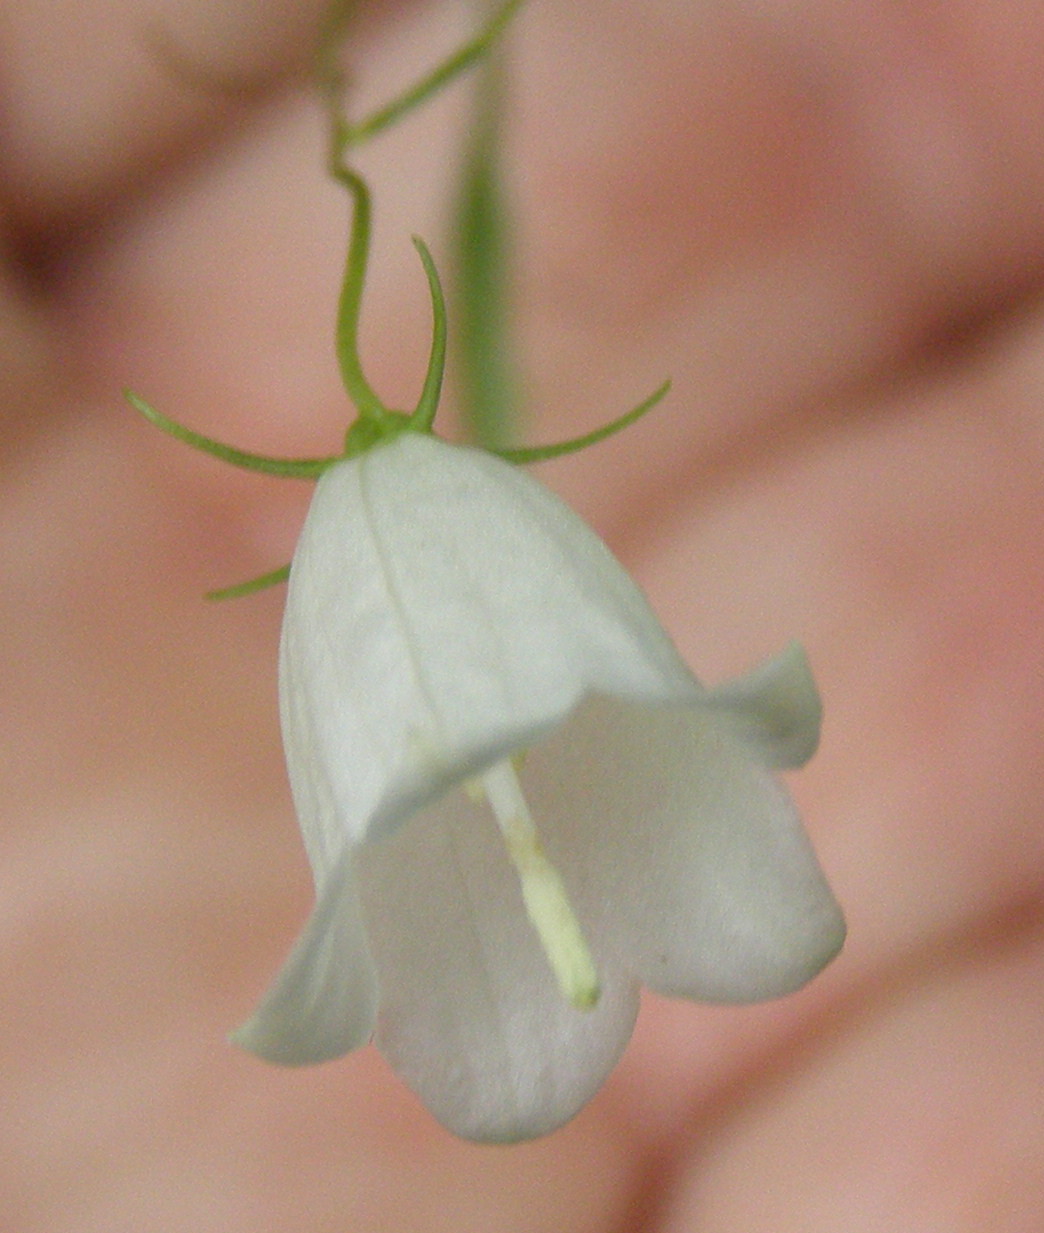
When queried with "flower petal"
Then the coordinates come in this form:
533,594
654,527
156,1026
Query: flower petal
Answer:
443,609
687,856
776,709
471,1017
323,1002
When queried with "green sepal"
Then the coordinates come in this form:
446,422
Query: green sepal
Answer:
271,579
540,453
424,415
292,468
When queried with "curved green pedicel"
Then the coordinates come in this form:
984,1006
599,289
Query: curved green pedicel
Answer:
375,421
343,135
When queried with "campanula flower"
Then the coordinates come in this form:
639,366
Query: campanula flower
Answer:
518,803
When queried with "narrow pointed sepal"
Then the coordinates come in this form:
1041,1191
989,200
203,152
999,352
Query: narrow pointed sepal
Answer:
252,585
543,453
288,468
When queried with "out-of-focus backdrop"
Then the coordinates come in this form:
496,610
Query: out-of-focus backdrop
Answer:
824,222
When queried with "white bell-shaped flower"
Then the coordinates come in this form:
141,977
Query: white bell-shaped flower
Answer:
518,804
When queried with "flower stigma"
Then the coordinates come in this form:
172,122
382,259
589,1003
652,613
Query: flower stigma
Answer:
543,892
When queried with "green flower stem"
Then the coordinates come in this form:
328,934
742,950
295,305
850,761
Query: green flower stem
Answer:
540,453
292,468
366,400
455,64
368,403
487,377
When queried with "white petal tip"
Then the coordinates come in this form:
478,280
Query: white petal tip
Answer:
776,708
286,1047
803,959
271,1047
323,1002
290,1032
833,942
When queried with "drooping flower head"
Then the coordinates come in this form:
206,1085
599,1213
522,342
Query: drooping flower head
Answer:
516,799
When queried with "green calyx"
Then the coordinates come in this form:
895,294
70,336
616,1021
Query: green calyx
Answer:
375,422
